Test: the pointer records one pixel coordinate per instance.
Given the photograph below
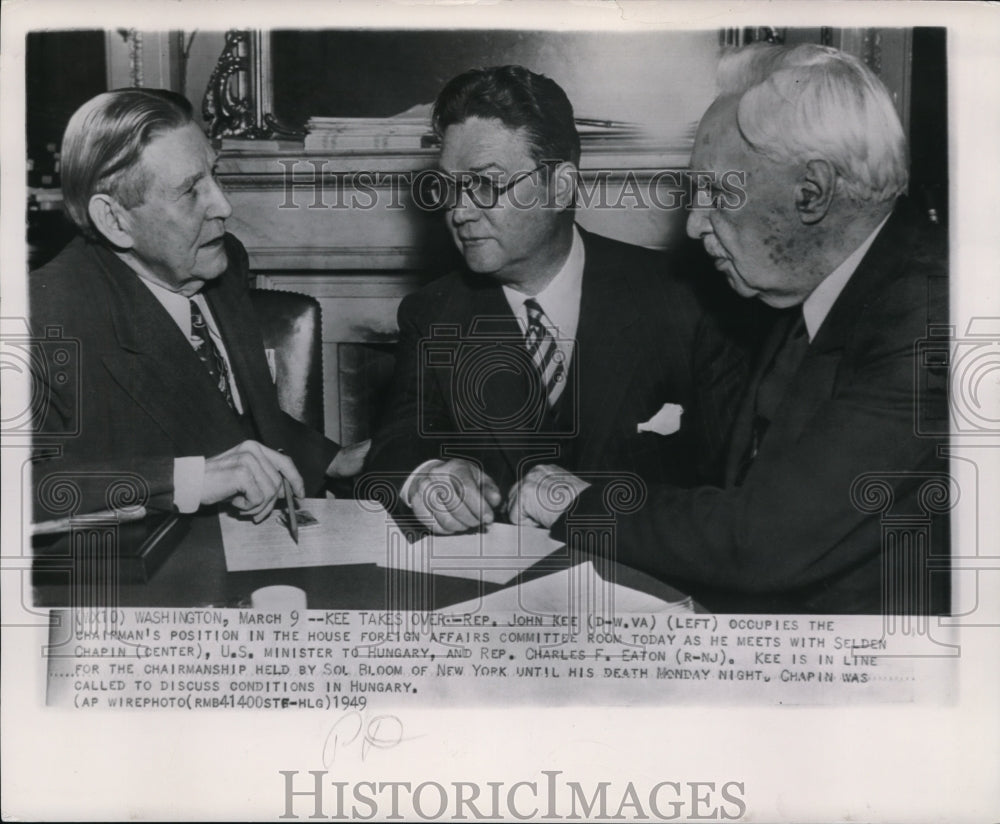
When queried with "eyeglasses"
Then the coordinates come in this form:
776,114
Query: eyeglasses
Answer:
435,189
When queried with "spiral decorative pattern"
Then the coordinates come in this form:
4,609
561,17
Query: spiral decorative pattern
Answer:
555,494
59,494
938,494
440,494
872,493
126,491
625,494
375,492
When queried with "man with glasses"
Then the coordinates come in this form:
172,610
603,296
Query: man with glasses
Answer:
552,345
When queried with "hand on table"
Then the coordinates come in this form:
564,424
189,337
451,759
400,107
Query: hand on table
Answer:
453,496
542,495
250,475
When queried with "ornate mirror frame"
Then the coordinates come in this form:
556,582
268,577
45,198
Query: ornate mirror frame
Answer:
239,98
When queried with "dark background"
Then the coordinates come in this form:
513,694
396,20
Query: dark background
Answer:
63,70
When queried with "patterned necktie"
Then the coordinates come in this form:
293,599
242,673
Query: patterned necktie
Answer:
208,353
544,351
774,384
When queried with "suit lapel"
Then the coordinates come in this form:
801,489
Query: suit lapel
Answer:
882,261
743,427
606,345
158,368
506,392
237,324
816,376
814,381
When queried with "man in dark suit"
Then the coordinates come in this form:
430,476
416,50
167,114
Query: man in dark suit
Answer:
826,441
553,344
174,393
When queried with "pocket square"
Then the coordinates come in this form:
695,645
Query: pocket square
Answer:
665,422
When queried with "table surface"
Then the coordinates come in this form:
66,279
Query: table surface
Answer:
195,575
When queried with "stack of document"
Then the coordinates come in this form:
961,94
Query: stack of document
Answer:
367,133
412,130
594,131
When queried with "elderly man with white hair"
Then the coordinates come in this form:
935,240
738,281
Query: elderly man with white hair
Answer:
826,443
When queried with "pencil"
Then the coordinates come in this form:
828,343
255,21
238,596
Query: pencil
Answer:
293,518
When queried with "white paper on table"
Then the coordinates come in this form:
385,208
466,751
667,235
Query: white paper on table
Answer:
571,591
348,532
497,555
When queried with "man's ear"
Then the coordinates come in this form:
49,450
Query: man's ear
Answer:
564,181
111,220
815,191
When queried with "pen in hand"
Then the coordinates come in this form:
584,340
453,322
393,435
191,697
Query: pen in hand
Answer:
293,518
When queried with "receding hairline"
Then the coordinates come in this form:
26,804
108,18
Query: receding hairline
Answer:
105,140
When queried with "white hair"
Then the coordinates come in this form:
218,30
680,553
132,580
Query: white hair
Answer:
814,102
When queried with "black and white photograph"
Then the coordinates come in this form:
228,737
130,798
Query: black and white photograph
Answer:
530,411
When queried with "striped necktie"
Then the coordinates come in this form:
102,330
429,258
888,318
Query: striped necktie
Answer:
209,354
544,351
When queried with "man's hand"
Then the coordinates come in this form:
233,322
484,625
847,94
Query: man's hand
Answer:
542,495
453,496
348,461
250,475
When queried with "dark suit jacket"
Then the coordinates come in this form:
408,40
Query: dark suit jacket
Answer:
804,531
137,395
644,339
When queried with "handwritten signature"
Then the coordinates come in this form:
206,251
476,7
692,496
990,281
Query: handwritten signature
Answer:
354,730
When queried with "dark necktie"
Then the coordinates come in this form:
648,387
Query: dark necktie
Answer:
774,384
209,354
544,351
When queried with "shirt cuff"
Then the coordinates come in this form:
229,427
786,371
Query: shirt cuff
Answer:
189,478
404,493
